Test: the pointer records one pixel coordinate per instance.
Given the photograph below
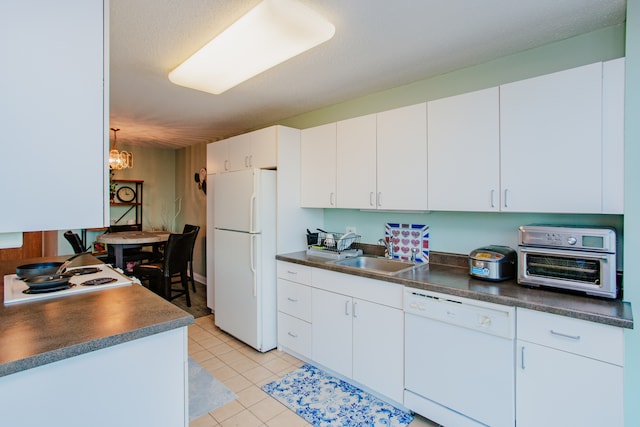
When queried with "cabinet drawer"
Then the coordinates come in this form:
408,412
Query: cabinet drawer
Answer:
594,340
294,272
294,334
378,291
294,299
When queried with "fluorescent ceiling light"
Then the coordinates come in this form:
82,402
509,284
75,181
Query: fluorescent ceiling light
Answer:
270,33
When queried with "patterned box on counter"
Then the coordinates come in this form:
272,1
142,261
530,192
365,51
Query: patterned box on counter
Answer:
405,237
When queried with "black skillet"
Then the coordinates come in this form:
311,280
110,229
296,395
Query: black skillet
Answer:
37,269
44,268
48,281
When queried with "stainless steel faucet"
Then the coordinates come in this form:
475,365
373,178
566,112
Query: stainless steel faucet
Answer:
414,253
388,251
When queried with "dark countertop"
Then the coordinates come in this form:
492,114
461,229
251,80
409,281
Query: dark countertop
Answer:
39,332
455,280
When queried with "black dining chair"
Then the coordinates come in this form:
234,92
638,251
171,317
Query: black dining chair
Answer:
75,241
161,276
187,228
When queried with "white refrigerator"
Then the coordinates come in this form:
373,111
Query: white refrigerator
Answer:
244,218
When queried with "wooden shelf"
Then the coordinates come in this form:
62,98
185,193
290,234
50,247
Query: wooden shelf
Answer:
120,210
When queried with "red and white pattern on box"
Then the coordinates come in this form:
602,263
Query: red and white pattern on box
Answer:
406,237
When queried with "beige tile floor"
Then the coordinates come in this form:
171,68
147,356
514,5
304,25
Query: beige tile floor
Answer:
245,370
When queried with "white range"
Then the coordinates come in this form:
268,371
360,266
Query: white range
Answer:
14,287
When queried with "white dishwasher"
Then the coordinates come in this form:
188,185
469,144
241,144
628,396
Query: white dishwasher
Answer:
459,360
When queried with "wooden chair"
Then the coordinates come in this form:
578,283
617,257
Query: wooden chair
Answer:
160,276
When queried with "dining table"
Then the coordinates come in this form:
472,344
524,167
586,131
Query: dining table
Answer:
131,239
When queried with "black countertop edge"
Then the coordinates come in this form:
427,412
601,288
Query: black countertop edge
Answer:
455,280
89,346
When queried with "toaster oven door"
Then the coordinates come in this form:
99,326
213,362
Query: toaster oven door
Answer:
592,272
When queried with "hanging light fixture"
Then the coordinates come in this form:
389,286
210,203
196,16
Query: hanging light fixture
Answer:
119,159
269,34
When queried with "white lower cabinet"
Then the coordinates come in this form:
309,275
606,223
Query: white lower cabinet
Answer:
332,334
357,326
294,308
377,348
568,372
347,324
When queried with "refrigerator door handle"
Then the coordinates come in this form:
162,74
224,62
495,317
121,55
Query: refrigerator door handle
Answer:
252,204
253,265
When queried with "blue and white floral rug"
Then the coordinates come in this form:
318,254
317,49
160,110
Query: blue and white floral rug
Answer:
326,401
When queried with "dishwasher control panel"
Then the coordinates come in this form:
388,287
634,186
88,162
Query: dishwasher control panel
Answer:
494,319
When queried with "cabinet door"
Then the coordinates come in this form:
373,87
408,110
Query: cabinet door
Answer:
402,158
318,167
556,388
464,152
331,334
551,150
263,153
613,136
53,88
356,162
217,157
378,348
239,151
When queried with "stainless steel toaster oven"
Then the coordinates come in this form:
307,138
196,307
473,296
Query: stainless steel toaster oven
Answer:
575,258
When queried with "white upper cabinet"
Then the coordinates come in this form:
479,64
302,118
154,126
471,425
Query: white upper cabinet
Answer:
318,167
613,136
54,86
239,151
356,163
548,144
402,158
256,150
264,148
217,157
464,152
551,142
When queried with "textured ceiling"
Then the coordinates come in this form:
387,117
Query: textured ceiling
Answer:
379,44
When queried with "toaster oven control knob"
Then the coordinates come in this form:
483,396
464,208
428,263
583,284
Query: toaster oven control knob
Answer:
572,240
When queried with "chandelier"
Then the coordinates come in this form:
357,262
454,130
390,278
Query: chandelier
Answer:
119,159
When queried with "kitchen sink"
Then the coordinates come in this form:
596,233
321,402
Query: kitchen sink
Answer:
376,264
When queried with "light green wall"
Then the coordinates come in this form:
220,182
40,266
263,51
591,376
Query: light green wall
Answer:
632,212
156,167
189,161
600,45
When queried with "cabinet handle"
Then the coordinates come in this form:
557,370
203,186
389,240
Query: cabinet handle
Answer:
560,334
379,198
291,334
331,198
506,192
493,192
292,299
522,358
354,309
246,161
371,202
226,165
346,308
250,160
292,272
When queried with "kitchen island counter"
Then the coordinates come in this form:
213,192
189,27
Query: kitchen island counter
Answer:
38,333
452,278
